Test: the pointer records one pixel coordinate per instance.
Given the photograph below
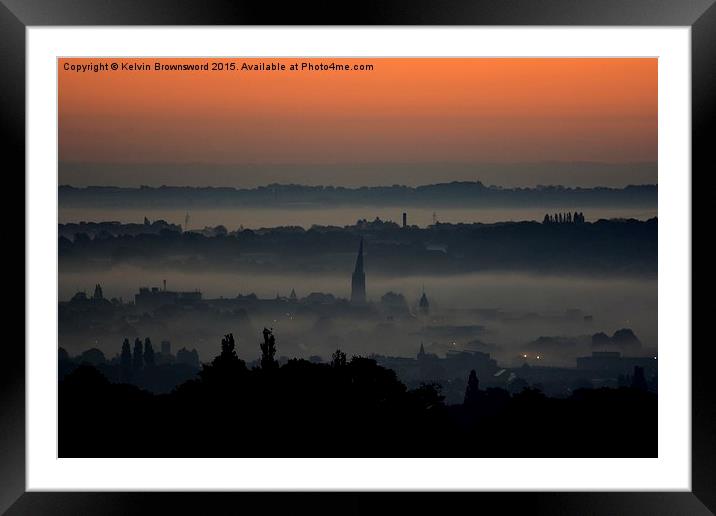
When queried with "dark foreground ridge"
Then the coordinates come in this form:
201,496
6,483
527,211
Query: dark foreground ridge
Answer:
348,408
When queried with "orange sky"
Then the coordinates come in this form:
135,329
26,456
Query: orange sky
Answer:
405,110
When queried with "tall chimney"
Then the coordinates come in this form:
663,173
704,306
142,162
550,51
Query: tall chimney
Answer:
405,220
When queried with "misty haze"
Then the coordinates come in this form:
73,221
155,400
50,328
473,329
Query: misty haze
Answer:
511,306
584,174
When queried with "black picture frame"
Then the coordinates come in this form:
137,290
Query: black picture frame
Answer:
17,15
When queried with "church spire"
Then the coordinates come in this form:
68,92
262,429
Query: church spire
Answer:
359,259
358,279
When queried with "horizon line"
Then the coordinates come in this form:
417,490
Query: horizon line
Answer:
344,187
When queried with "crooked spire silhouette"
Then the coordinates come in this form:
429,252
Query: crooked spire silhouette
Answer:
358,280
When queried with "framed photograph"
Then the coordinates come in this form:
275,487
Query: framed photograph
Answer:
405,249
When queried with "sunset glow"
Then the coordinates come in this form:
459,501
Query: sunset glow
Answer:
403,111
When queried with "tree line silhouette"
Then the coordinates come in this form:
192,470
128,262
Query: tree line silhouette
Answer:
564,218
628,246
348,407
132,363
455,193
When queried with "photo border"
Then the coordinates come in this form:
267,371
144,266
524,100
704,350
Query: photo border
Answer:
699,15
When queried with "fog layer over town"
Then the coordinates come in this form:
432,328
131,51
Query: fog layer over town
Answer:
503,311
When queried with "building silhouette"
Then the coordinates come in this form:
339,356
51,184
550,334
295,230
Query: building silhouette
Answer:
358,280
614,363
148,300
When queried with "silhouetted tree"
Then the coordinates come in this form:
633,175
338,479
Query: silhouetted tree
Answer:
148,353
601,339
361,401
138,357
638,381
518,385
427,396
530,396
227,366
338,358
92,356
126,361
626,339
268,350
228,348
472,392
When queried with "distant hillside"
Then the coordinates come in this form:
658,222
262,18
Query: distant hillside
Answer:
456,194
